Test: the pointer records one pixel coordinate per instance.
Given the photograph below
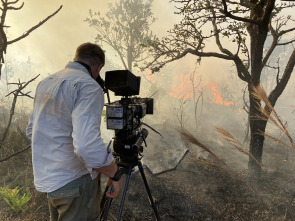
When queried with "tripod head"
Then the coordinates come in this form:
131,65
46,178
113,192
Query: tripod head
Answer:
128,147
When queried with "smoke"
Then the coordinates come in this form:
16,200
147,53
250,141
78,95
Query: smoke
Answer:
52,45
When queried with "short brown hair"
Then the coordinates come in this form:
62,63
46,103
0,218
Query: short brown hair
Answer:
90,52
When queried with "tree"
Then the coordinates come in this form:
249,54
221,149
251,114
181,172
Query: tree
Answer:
16,93
4,42
229,24
124,27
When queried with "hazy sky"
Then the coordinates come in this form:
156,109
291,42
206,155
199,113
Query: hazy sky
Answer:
53,44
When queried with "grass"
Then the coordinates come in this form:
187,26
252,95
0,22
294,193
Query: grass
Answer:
17,201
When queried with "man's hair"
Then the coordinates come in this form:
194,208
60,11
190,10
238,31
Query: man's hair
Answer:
92,53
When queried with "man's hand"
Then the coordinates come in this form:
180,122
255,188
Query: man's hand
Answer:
117,188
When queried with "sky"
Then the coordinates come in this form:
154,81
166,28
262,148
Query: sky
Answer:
52,45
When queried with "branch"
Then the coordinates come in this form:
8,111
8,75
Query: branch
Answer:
268,9
184,53
286,43
286,31
273,45
228,14
35,27
15,154
14,8
243,73
277,91
15,94
216,33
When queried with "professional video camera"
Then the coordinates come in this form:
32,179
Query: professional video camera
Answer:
124,116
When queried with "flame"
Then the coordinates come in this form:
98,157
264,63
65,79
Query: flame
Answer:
182,87
217,99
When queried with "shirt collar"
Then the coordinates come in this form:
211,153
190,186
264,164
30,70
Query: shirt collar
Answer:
77,66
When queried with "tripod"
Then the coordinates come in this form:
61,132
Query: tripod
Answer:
128,168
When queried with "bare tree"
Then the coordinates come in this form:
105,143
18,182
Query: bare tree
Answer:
229,24
4,42
180,112
124,27
16,93
195,98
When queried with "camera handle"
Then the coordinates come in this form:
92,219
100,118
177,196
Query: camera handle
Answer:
128,168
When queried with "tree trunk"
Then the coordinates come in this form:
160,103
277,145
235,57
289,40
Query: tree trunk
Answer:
256,149
258,34
257,129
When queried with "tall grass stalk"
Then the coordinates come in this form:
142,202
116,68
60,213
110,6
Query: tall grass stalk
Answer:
269,114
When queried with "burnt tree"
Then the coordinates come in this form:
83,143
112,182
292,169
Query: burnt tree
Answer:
4,42
229,24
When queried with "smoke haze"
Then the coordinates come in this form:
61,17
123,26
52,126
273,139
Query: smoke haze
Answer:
52,45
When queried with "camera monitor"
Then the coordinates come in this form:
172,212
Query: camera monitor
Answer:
122,82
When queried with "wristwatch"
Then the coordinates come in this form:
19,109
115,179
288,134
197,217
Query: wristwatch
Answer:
117,175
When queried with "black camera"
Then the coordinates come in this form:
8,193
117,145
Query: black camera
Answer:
124,116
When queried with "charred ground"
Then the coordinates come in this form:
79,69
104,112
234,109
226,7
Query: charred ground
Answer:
198,189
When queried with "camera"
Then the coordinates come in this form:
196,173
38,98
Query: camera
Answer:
124,115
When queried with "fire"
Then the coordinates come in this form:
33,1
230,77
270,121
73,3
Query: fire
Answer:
217,99
182,87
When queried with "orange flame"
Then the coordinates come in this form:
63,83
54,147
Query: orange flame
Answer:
217,99
182,87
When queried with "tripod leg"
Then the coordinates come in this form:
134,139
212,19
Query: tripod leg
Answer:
124,192
148,191
106,207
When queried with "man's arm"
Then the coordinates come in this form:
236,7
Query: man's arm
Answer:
110,172
86,119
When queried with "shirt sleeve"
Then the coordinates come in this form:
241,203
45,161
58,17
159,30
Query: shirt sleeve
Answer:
30,127
86,119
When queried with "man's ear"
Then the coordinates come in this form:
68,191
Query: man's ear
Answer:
100,67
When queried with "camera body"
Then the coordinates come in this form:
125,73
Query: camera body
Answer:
124,115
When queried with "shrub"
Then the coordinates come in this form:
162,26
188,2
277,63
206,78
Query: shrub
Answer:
16,201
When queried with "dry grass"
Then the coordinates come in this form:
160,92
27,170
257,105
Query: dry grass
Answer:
236,144
268,113
189,137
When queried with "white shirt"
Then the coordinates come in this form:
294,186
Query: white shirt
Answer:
64,128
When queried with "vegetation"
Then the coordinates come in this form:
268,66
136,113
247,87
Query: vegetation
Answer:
239,31
17,201
124,27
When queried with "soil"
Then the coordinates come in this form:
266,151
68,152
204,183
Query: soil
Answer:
198,189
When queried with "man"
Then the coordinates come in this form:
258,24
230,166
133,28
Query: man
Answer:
67,150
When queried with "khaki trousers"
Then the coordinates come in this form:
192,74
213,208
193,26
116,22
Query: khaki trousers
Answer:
78,200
